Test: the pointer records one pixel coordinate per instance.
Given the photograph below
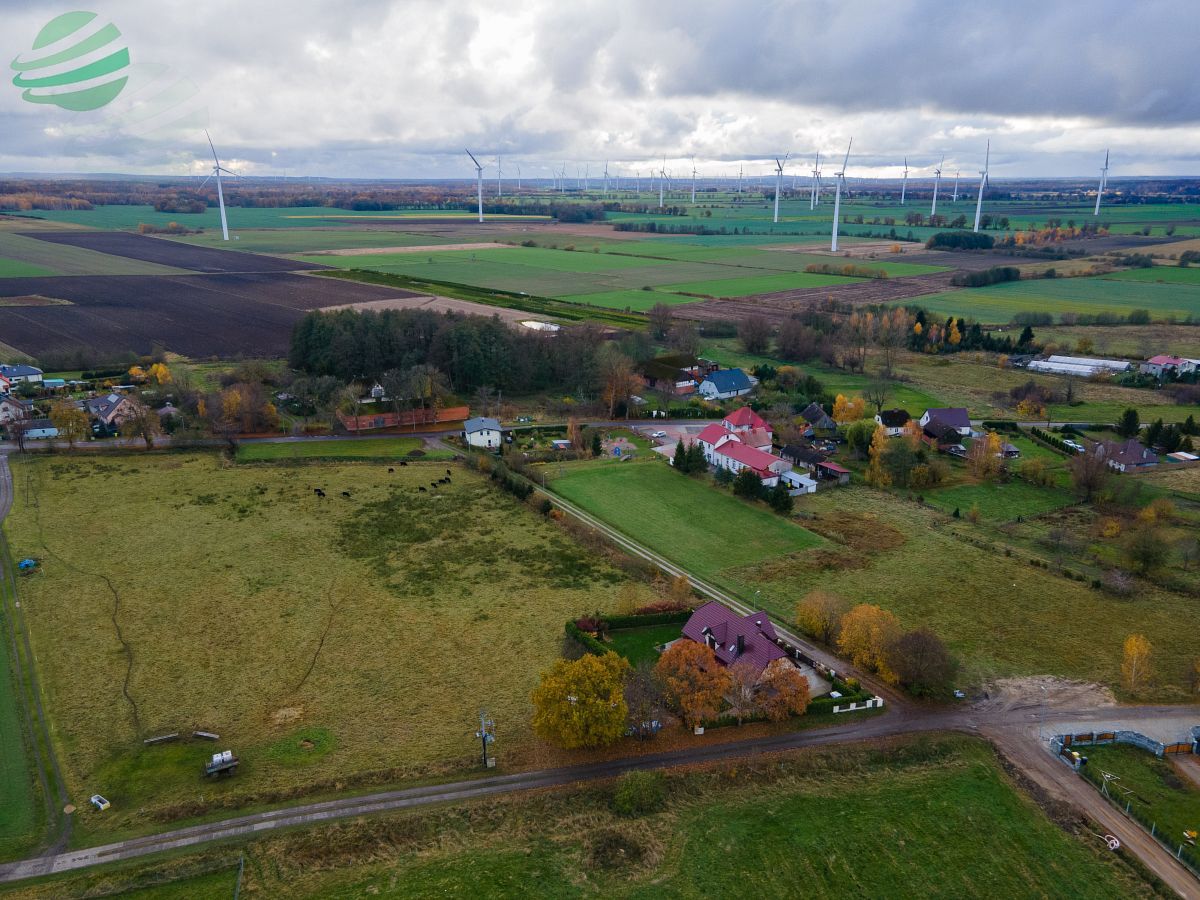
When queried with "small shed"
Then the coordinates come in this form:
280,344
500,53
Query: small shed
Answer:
831,471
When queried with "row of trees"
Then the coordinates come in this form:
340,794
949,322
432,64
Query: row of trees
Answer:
871,637
594,700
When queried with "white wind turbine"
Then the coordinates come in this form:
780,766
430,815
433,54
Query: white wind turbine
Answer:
937,180
954,199
606,178
1099,191
693,180
779,182
662,180
518,179
479,182
837,197
815,197
983,177
216,173
904,181
499,189
739,190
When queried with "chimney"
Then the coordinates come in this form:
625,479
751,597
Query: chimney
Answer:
741,645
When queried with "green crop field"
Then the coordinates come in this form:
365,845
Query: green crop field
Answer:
757,284
638,301
285,241
999,303
356,448
322,639
930,818
686,519
15,268
1159,275
60,259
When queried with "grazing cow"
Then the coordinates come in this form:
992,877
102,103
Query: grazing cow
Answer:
433,484
403,463
447,471
390,470
421,489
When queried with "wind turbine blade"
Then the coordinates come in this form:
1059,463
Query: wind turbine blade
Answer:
211,147
473,159
846,161
987,158
205,181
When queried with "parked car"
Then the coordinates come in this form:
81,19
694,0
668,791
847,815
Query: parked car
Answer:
658,434
100,803
1074,445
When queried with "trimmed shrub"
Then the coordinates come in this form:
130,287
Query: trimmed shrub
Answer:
640,793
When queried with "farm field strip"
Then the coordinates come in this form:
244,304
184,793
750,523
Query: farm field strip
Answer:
187,257
353,448
44,258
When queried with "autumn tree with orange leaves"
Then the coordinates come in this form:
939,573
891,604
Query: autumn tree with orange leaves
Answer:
694,681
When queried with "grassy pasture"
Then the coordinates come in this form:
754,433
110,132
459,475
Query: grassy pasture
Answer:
323,640
935,818
758,284
15,268
357,448
302,240
998,613
999,502
638,301
685,519
1159,275
1160,794
19,809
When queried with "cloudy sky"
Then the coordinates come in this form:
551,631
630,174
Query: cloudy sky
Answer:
396,88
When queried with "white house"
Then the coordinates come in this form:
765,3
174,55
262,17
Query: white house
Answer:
1162,365
725,384
12,409
17,374
893,421
482,432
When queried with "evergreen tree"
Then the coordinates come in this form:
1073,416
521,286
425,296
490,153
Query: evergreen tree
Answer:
1154,433
695,458
780,499
680,459
747,484
1130,423
1026,338
596,448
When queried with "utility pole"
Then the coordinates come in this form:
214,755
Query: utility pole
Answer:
486,735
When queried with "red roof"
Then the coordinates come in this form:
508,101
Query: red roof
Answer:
745,417
833,467
712,433
758,460
756,437
1164,360
715,624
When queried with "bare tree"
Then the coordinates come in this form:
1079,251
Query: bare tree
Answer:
1089,472
644,697
743,678
877,393
144,422
755,334
660,320
684,338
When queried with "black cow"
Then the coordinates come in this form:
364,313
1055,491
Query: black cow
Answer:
421,489
318,492
390,470
345,494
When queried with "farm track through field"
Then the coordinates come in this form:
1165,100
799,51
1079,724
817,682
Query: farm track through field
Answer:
29,699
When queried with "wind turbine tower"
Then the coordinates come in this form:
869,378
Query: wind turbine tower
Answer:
1099,191
815,197
499,188
954,199
216,173
779,182
693,180
904,181
937,180
478,181
983,177
662,180
837,198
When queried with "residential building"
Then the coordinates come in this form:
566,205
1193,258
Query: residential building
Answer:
41,430
955,417
1163,366
817,418
677,373
1125,456
5,384
734,456
747,640
483,432
893,420
18,373
13,409
725,384
802,455
111,410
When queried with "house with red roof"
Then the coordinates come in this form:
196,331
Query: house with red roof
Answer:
1163,365
742,440
750,640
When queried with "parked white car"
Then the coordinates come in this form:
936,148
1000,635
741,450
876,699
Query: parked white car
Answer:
658,434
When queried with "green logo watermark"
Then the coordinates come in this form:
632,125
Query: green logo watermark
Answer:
78,62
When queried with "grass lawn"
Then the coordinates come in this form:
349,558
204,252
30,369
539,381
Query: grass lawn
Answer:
935,818
638,644
687,519
1161,795
315,637
999,502
354,448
